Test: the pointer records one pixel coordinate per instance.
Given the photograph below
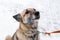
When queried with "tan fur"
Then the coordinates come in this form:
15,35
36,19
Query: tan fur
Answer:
24,32
8,37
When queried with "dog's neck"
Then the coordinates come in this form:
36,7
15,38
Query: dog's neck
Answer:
26,27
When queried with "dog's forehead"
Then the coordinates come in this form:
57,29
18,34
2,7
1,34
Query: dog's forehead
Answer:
29,9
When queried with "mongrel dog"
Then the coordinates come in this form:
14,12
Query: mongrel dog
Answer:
28,25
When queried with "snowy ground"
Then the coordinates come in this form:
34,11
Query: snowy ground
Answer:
49,21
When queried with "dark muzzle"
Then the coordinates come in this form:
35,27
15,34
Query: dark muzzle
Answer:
37,15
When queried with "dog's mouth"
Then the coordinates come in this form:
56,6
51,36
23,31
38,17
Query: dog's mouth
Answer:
31,22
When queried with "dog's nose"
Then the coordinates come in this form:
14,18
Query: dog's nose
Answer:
37,15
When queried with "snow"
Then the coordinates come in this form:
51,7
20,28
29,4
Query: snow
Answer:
49,16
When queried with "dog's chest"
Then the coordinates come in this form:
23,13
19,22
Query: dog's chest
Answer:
28,36
24,37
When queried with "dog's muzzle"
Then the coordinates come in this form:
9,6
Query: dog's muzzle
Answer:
37,15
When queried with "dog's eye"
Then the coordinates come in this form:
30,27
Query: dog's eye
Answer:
34,9
27,11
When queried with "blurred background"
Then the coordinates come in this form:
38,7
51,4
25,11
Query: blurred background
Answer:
49,16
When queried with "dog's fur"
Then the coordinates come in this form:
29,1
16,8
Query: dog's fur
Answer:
28,25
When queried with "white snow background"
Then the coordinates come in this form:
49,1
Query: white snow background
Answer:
49,16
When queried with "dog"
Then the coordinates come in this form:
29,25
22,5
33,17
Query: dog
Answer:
28,25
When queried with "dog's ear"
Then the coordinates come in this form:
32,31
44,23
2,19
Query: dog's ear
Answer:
17,17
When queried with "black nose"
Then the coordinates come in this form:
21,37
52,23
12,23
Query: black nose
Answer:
37,15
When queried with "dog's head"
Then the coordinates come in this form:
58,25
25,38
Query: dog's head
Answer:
28,16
